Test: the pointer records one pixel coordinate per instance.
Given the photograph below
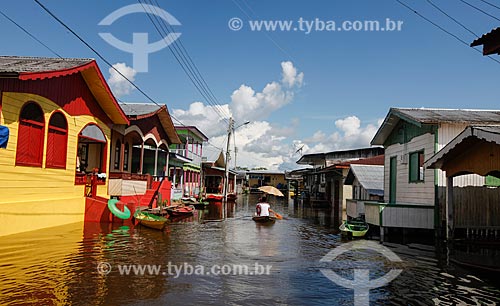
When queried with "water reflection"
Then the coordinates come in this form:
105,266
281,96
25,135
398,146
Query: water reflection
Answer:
59,266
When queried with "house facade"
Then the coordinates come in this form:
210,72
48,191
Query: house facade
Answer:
140,150
59,114
257,178
324,182
185,164
414,195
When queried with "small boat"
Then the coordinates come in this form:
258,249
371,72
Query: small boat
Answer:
194,202
264,219
214,197
178,211
150,220
354,227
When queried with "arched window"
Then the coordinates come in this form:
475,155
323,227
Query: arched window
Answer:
118,154
125,157
57,141
30,136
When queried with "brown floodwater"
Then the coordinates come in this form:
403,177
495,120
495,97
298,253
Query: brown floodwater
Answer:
59,266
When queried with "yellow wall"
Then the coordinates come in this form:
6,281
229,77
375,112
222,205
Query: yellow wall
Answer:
36,197
275,179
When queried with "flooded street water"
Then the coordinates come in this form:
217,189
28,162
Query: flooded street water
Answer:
58,266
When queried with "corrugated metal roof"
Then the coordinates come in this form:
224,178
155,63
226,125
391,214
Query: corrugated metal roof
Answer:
369,176
420,116
19,64
137,109
490,42
429,115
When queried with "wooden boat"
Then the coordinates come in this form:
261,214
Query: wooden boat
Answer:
150,220
264,219
178,211
194,202
354,227
214,197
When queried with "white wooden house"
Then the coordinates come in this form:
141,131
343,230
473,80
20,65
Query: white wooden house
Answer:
415,196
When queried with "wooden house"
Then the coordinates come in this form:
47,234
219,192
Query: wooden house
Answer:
366,176
324,182
257,178
140,152
185,160
414,195
213,176
59,113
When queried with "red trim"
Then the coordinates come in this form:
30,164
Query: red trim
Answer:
28,144
64,72
57,159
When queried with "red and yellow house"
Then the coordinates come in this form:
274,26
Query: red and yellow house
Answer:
59,114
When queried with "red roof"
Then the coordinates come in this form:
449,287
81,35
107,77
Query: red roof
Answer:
375,160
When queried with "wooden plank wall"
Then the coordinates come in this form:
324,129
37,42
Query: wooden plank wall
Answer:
476,207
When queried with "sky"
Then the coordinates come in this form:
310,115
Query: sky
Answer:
304,90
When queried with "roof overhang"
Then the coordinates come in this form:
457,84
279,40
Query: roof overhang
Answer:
311,159
464,141
390,122
490,42
179,158
96,84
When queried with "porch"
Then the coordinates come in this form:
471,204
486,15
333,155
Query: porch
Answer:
398,215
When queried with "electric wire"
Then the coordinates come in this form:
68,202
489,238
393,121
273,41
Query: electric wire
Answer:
443,29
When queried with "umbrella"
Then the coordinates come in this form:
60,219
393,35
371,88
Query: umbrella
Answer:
271,190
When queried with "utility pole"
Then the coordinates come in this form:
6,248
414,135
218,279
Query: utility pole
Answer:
235,170
226,176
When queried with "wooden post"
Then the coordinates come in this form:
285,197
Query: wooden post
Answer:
141,162
155,172
449,208
122,156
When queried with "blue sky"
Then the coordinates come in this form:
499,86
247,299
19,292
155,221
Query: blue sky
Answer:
350,79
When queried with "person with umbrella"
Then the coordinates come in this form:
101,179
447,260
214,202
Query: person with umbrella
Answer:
263,208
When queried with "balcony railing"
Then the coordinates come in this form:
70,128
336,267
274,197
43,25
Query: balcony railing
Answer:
400,215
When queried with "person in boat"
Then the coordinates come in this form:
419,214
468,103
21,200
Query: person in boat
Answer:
263,209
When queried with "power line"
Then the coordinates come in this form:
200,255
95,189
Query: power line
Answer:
490,4
456,21
265,32
179,40
30,35
443,29
181,58
478,9
99,55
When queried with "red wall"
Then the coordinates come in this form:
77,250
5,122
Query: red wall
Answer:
70,92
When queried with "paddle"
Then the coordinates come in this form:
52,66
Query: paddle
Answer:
278,216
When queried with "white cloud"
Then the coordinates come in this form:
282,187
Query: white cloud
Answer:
290,76
260,143
118,84
204,117
349,134
247,104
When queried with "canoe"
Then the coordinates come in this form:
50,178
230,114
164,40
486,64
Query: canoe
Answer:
355,228
180,211
214,197
264,219
150,220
